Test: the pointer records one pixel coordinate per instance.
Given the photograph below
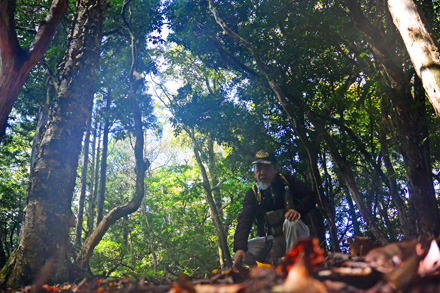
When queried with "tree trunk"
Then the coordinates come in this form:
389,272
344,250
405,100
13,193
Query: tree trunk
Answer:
90,243
214,178
410,121
151,236
16,63
82,193
101,193
91,197
349,179
3,257
389,180
48,217
216,193
94,196
408,227
321,198
354,221
421,46
219,231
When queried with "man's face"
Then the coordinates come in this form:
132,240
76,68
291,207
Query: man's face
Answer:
265,174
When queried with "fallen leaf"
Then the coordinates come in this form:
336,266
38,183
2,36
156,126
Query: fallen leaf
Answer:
299,280
233,288
431,262
263,265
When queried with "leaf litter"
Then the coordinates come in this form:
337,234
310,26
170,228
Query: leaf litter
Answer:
407,266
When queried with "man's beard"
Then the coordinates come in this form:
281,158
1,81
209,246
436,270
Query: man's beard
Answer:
264,185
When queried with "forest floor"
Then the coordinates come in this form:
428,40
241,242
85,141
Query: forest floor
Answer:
411,266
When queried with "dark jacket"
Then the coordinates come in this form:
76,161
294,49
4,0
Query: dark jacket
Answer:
303,199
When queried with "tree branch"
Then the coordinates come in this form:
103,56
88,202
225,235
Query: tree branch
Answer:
46,31
8,37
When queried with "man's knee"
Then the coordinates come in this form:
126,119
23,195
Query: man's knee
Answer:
256,250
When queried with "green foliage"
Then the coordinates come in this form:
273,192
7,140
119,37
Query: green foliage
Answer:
326,69
329,75
14,175
174,221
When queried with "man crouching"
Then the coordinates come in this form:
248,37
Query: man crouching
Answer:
277,203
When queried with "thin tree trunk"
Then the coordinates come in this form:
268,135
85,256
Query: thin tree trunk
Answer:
101,194
408,228
90,243
349,179
151,236
16,62
83,185
220,232
216,193
383,209
48,216
354,221
389,181
97,175
3,257
91,197
125,230
214,178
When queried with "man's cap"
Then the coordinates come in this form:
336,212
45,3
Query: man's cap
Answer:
264,157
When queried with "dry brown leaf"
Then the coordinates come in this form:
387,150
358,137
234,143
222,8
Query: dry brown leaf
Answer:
299,280
431,262
233,288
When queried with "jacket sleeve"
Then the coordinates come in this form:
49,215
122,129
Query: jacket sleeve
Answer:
245,221
304,197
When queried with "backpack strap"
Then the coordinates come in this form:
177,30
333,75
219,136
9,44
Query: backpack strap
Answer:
257,194
285,180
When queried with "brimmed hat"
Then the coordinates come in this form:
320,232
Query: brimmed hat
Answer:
264,157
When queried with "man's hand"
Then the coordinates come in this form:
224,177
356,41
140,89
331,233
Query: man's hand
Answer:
292,215
239,258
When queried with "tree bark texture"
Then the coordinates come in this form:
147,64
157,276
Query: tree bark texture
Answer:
45,232
17,63
421,46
